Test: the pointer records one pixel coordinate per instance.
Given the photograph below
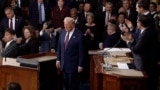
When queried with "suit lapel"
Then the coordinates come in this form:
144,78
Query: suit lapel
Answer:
73,37
63,38
8,48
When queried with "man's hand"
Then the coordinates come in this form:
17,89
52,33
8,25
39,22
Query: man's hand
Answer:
80,69
129,24
58,65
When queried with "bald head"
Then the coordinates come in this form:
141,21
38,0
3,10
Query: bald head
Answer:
69,23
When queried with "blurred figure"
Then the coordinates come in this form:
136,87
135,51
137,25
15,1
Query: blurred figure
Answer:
145,50
74,14
48,38
10,49
90,32
59,12
14,5
14,86
80,7
39,12
110,38
29,44
87,9
13,22
153,9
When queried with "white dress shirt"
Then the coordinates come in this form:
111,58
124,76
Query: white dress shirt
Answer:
70,34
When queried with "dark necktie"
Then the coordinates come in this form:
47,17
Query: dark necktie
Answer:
11,24
40,14
66,40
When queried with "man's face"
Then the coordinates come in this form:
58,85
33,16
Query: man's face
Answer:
8,37
68,26
152,8
9,14
138,9
108,7
87,7
60,3
126,4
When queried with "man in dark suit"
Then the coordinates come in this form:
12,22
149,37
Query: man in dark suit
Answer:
13,22
145,50
70,55
39,12
11,46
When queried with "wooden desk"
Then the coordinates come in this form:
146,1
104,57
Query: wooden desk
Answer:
27,77
100,80
45,78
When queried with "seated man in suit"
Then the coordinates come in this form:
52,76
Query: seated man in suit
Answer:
11,46
145,50
13,22
70,55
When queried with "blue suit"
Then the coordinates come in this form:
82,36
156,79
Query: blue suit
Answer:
73,56
70,58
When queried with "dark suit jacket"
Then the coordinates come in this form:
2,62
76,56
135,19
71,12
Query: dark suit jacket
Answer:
34,13
73,56
145,50
28,48
11,50
18,26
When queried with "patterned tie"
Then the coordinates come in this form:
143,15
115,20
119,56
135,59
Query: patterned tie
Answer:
11,24
66,40
40,14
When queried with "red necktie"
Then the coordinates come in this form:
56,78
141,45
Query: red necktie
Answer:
66,40
11,24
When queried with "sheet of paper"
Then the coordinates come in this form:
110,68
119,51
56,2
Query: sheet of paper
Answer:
122,65
10,61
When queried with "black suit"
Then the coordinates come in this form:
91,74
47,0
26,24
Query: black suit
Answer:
28,48
145,53
18,26
34,13
10,50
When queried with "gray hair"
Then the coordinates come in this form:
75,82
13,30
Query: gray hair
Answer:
69,19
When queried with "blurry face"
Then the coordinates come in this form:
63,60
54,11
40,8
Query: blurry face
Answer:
110,30
9,14
73,14
152,8
138,9
60,3
27,34
89,19
40,1
13,3
87,7
108,7
68,26
121,18
37,33
81,7
126,4
158,8
8,37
